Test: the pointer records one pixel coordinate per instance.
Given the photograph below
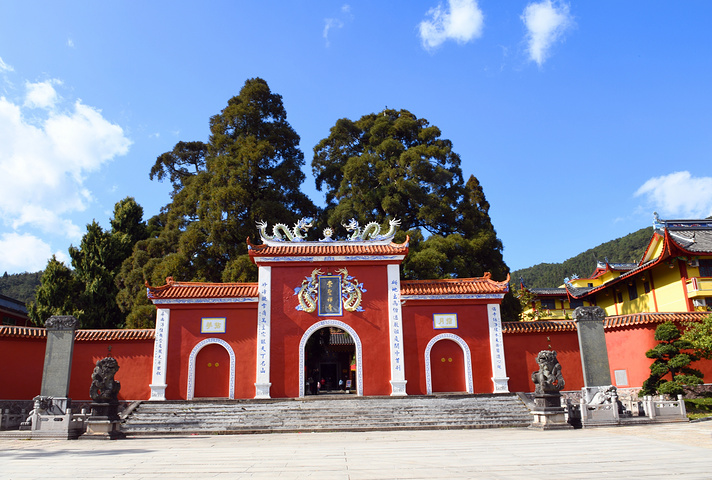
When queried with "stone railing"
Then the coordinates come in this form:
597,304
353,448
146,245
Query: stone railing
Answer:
664,410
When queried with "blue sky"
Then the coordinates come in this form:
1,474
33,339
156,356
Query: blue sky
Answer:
579,118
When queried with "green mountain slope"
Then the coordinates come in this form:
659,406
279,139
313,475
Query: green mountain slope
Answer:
628,249
20,286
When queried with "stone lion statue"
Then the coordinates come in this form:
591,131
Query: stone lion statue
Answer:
104,389
548,378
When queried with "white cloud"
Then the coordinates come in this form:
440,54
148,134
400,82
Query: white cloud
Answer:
70,43
332,23
462,21
23,252
546,23
41,94
679,194
44,162
4,67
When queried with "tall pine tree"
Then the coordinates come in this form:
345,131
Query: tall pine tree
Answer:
249,170
395,164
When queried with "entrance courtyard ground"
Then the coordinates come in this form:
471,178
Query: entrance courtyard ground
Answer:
649,451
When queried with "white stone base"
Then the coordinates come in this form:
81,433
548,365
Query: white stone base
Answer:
262,390
158,392
398,388
550,420
501,384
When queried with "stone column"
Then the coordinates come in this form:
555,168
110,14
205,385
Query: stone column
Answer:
58,356
499,368
52,414
395,332
592,345
160,355
264,321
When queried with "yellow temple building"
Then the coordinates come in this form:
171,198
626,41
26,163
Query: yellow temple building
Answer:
674,275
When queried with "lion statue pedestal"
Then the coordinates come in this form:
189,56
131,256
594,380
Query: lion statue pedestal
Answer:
104,422
548,412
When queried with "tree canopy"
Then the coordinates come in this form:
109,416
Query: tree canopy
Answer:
672,356
88,291
394,164
249,170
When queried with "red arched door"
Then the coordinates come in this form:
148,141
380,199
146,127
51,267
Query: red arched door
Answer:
212,372
447,367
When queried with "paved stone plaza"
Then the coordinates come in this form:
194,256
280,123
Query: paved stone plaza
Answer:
651,451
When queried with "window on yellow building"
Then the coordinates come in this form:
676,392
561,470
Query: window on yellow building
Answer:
705,268
574,303
549,303
632,291
646,287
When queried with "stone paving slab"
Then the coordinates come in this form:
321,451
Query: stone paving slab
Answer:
653,451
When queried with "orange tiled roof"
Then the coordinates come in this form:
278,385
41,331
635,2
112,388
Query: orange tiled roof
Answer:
539,326
13,331
454,286
313,249
113,335
81,335
614,321
196,290
644,318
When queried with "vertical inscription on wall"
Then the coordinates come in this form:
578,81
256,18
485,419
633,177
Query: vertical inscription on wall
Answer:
263,332
160,350
395,317
499,369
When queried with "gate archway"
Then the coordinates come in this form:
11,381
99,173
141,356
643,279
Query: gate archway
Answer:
357,342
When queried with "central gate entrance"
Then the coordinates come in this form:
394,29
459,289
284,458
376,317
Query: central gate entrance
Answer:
330,359
330,362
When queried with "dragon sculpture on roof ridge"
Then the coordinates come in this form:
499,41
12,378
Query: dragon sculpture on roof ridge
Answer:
371,231
281,232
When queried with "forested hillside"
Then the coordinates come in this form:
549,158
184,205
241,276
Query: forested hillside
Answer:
628,249
20,286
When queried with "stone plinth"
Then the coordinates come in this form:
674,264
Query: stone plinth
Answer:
548,412
104,423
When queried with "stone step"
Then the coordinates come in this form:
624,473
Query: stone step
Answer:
328,414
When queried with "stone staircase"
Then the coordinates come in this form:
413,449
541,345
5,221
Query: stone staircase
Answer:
326,413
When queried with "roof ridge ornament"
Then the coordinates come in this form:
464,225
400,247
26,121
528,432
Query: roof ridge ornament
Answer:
295,235
371,233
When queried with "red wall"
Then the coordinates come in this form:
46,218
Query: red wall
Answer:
418,331
135,358
21,364
184,334
22,360
521,349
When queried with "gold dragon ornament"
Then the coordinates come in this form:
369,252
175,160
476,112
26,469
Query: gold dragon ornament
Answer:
351,291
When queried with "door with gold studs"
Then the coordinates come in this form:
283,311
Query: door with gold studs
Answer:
212,372
447,363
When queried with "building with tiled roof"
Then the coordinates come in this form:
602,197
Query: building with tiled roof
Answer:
13,312
674,275
350,287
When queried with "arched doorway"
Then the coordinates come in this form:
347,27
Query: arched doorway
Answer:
448,365
330,351
211,370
